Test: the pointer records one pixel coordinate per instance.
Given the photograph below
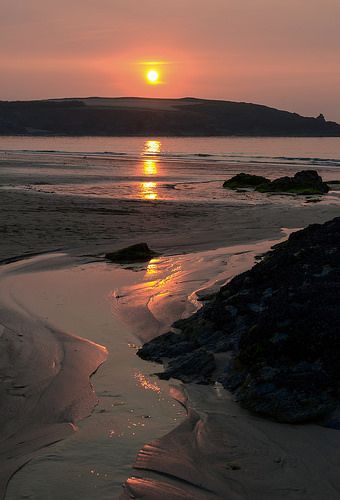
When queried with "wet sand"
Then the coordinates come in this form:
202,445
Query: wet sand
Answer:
217,451
39,404
34,222
222,452
133,406
109,306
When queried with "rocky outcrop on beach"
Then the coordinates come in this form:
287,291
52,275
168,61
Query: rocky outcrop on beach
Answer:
271,335
140,252
242,180
306,182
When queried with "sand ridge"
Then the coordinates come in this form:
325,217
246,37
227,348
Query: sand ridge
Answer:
222,452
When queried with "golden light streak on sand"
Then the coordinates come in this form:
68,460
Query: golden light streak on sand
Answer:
149,190
146,383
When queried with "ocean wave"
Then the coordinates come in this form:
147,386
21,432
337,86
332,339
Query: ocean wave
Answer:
232,158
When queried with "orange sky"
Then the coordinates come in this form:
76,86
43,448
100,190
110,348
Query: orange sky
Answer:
280,53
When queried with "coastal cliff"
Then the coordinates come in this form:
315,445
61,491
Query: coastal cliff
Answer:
162,117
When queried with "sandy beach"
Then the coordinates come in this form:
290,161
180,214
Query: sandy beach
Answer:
70,313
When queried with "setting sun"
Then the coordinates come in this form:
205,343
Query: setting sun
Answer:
152,77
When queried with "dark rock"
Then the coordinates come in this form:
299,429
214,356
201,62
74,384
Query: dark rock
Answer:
280,324
168,345
194,367
303,183
134,253
285,405
242,180
295,393
306,182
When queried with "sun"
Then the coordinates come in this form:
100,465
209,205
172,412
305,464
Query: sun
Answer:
152,77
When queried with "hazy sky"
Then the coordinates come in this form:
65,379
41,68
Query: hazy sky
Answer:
283,53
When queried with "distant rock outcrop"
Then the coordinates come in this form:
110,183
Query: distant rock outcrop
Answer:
304,183
321,118
278,326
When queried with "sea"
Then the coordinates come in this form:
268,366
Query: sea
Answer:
154,168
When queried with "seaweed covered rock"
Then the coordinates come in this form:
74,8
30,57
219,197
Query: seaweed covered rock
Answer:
134,253
279,324
304,183
243,180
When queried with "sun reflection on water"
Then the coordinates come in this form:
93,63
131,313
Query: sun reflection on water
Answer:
149,190
150,167
151,149
152,268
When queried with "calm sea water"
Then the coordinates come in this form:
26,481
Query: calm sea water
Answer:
267,149
156,168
